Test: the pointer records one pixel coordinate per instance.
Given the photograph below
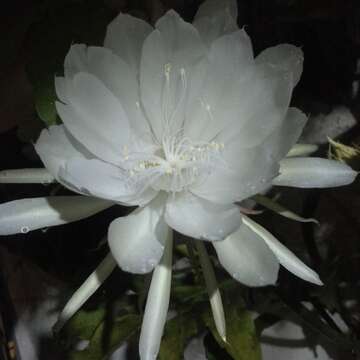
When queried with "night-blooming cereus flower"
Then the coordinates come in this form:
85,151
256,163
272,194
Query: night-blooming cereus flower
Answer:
183,121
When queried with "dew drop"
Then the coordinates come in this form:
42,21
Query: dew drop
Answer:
24,229
81,345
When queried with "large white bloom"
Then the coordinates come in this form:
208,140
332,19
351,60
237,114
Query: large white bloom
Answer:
183,121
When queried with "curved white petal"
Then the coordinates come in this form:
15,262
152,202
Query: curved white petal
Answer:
262,105
280,141
285,256
95,117
121,79
285,57
125,35
245,173
75,61
211,8
212,289
220,100
85,291
247,258
61,88
137,240
249,171
201,219
55,146
169,58
213,21
314,173
157,305
22,216
26,176
98,178
302,150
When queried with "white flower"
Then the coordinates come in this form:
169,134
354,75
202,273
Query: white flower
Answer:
184,122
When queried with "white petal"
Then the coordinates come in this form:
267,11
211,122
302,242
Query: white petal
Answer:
125,35
280,141
157,305
57,149
103,64
75,60
201,219
61,87
314,173
211,8
285,256
241,178
302,150
263,103
220,100
100,179
212,289
26,176
247,258
285,57
121,80
95,117
137,240
22,216
55,146
85,291
169,58
213,21
245,173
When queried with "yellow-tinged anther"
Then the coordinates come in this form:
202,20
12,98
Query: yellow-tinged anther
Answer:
167,69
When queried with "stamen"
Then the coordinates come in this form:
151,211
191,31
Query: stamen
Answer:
182,96
166,98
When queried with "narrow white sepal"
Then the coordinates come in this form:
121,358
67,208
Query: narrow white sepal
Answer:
157,305
313,173
286,258
26,176
302,150
87,289
22,216
213,290
281,210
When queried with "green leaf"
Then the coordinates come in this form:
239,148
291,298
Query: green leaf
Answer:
177,332
107,338
84,323
45,98
242,341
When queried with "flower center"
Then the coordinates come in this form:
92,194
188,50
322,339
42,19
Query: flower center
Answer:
177,162
185,163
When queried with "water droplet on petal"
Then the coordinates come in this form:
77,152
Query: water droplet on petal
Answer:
24,229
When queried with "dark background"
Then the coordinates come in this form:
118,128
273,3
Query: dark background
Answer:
328,32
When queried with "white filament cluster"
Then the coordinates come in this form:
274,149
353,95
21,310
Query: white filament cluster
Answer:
177,162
